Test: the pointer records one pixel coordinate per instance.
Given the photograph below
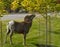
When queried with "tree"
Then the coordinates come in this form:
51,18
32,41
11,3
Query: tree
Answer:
31,5
38,5
15,5
2,6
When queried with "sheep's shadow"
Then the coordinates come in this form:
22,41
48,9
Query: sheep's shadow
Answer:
43,45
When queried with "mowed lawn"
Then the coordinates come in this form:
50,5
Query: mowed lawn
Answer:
37,34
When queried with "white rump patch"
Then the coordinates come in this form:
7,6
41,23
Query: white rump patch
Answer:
11,22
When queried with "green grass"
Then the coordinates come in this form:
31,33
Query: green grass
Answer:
36,36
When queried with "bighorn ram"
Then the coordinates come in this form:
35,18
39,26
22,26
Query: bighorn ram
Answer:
20,27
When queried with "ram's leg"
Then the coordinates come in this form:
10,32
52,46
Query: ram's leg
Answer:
7,33
24,41
11,34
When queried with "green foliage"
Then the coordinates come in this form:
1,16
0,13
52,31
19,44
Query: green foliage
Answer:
14,5
2,6
38,5
31,5
57,7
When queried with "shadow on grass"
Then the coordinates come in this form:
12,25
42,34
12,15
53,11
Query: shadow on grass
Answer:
18,45
28,45
13,45
55,32
43,45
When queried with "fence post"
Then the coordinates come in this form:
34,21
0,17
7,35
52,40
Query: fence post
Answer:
1,32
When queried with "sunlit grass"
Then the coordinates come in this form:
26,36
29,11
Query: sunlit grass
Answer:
33,37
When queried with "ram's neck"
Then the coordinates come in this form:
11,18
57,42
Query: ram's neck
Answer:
28,24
